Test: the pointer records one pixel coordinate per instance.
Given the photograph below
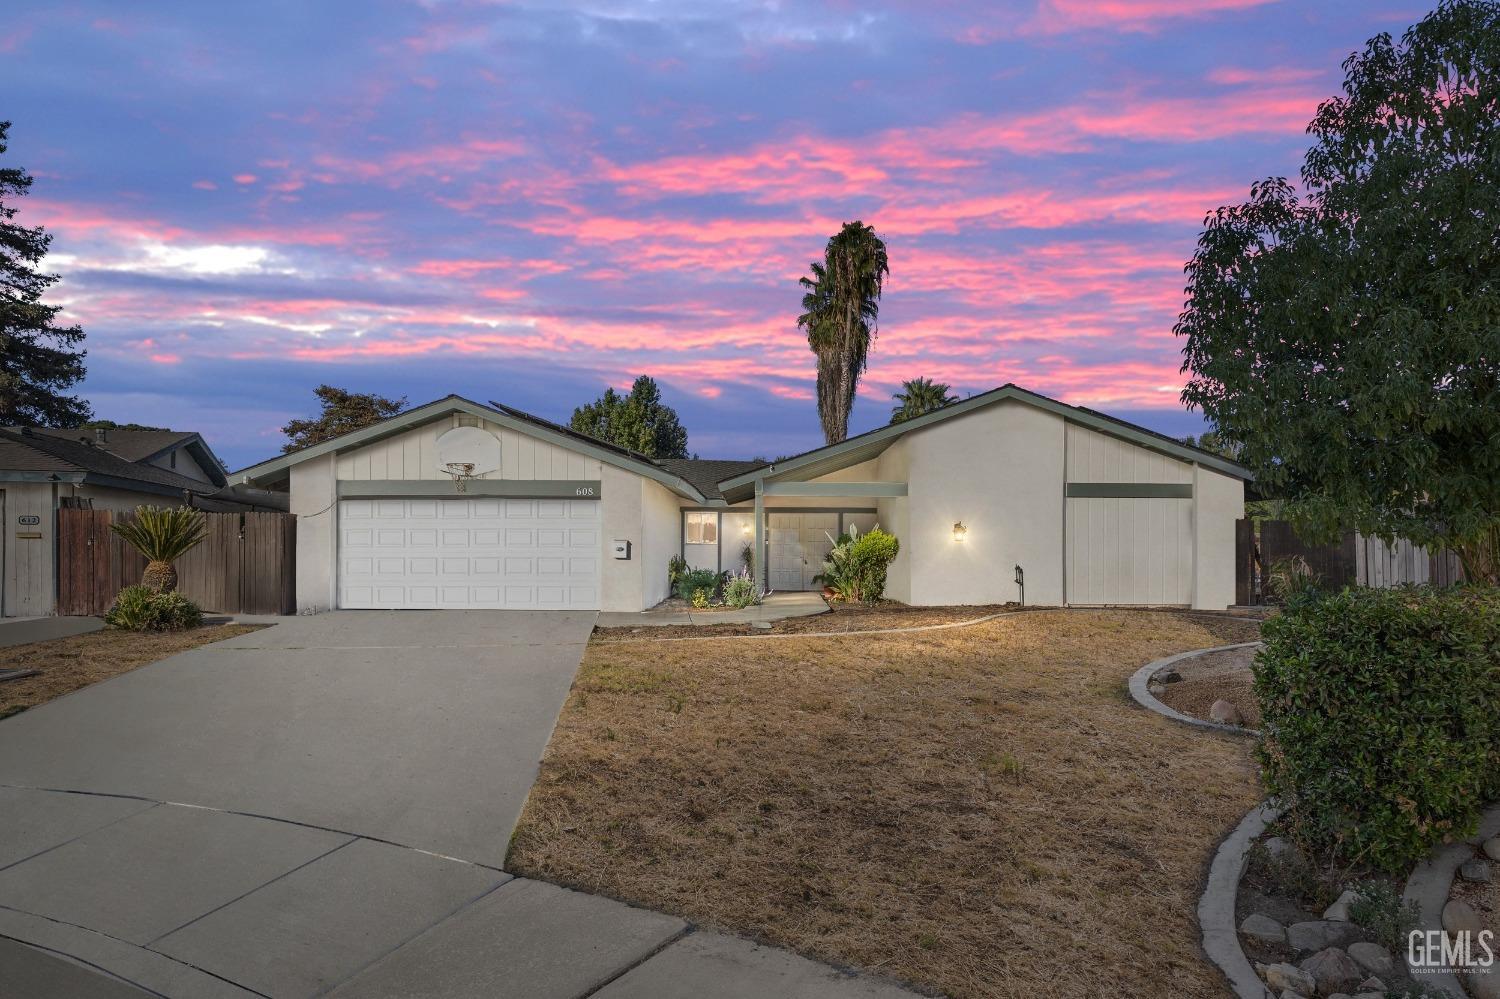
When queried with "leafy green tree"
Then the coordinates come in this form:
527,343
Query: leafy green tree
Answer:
1213,440
1350,339
920,396
639,421
343,411
840,306
112,425
39,360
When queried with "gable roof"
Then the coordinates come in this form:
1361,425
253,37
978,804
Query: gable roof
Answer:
854,450
706,473
275,469
144,445
49,456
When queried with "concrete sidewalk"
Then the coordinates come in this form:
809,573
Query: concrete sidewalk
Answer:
25,630
775,607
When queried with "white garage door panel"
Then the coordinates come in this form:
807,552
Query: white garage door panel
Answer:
1129,550
479,553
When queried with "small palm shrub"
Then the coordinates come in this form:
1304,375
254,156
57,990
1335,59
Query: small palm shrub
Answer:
140,608
1381,736
163,535
740,592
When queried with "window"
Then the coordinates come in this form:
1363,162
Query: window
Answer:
702,528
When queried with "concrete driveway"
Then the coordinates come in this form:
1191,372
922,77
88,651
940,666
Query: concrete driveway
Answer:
322,808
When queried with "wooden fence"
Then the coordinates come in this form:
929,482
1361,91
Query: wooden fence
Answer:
244,565
1355,560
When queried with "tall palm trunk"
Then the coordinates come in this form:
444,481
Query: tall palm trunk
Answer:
841,306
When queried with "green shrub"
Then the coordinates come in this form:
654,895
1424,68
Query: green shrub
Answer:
693,580
1378,707
140,608
872,556
1378,908
1290,577
677,567
701,599
741,592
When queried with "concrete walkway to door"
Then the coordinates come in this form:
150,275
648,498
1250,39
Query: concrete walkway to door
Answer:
323,808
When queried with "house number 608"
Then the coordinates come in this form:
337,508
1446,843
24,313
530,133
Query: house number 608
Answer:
584,491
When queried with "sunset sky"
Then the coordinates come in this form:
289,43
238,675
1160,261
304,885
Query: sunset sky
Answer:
529,201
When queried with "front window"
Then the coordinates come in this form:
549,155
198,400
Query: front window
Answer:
702,528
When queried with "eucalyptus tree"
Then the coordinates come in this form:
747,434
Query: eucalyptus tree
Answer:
840,309
1347,338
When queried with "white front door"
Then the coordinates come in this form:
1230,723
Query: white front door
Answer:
799,543
503,554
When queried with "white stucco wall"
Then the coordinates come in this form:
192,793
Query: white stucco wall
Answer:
661,536
313,500
1219,501
999,470
621,581
894,513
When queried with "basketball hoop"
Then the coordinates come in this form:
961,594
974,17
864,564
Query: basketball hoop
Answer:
462,472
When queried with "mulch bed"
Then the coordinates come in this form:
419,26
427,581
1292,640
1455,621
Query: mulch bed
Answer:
1208,678
982,811
66,664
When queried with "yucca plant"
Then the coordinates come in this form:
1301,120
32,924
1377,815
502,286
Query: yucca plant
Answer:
163,535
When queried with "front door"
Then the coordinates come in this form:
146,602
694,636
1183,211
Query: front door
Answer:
799,543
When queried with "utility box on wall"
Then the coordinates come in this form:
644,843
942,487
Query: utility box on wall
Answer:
620,549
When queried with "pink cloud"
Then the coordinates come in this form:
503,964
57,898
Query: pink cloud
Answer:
245,178
1057,16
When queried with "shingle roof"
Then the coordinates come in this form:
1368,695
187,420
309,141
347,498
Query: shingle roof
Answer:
706,473
132,445
48,452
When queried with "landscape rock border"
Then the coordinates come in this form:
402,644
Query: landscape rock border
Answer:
1216,906
1429,886
1140,683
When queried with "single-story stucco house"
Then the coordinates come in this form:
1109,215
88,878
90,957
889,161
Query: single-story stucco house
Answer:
42,469
1091,509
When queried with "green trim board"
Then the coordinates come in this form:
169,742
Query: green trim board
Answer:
1130,490
574,489
270,470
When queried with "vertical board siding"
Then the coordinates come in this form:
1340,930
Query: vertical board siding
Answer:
1095,457
244,565
413,455
1129,550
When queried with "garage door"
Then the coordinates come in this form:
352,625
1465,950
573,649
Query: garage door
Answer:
511,554
1129,550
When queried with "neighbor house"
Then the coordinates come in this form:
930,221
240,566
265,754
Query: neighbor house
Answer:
43,469
1007,485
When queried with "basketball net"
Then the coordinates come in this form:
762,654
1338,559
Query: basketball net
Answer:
462,472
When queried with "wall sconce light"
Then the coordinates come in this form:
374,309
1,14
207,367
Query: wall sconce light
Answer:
960,531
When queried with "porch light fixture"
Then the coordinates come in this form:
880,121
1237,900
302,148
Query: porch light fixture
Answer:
959,531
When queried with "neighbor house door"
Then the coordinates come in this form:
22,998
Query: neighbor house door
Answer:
799,542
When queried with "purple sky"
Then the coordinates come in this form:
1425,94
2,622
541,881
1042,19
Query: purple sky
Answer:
530,201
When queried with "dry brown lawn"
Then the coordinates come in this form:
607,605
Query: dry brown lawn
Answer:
67,664
840,617
981,811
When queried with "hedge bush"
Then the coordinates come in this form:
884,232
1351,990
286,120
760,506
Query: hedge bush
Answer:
140,608
1381,718
871,556
690,582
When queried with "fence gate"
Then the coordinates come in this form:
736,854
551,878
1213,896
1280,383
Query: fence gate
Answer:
244,565
1354,560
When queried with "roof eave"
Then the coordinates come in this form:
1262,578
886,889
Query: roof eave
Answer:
449,404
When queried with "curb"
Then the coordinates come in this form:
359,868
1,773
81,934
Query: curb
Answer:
1221,941
1428,888
1140,682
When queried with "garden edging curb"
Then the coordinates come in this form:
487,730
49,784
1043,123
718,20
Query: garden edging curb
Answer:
1216,906
1140,690
1429,886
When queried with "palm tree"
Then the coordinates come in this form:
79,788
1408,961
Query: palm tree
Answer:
919,396
840,306
163,535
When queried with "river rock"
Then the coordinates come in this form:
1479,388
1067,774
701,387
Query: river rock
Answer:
1375,959
1290,978
1459,915
1339,910
1319,934
1491,848
1333,970
1477,870
1263,928
1224,713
